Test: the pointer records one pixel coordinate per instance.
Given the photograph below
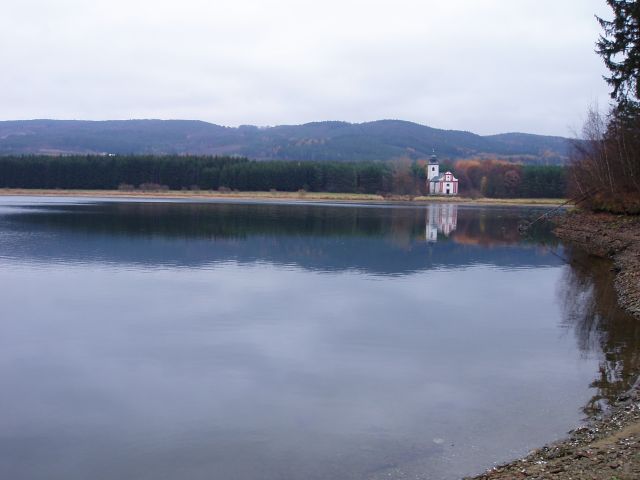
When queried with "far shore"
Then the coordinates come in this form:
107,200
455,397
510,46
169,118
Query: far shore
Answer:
283,196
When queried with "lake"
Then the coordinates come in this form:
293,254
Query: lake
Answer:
237,340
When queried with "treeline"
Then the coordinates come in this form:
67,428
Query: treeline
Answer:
500,179
489,178
191,172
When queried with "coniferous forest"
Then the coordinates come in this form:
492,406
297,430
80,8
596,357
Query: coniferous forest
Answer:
490,178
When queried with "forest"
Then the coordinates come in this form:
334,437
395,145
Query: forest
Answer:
489,178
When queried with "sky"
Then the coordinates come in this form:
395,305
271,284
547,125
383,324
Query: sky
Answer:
486,66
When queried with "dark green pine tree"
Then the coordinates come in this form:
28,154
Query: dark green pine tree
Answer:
619,46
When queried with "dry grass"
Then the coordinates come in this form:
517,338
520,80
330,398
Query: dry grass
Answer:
495,201
310,196
194,194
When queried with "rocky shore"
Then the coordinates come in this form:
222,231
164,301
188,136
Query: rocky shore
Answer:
612,236
607,447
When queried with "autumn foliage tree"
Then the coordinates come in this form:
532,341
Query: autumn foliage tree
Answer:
502,179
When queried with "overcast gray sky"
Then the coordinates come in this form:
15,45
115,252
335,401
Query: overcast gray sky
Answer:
487,66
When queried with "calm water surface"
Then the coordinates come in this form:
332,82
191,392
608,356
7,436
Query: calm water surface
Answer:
241,341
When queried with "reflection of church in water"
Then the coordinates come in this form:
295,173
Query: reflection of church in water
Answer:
441,218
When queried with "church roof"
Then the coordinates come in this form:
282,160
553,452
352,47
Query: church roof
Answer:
440,178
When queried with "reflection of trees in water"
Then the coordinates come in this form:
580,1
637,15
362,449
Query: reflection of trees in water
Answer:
490,228
401,226
590,307
226,220
487,227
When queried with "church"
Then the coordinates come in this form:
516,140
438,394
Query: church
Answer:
440,183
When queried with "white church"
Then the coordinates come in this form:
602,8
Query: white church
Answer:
440,183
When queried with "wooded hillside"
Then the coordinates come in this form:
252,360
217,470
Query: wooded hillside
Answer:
321,141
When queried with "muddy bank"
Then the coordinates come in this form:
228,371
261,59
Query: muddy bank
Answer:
607,447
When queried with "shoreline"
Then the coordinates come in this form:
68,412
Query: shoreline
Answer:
607,446
301,197
616,237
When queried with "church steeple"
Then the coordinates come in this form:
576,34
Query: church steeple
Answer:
433,169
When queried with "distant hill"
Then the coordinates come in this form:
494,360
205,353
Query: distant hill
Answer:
379,140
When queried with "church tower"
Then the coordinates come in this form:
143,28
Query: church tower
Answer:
433,168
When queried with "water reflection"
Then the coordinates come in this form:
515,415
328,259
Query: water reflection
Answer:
441,218
387,241
601,327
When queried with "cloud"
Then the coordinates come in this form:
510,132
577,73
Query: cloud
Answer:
487,66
